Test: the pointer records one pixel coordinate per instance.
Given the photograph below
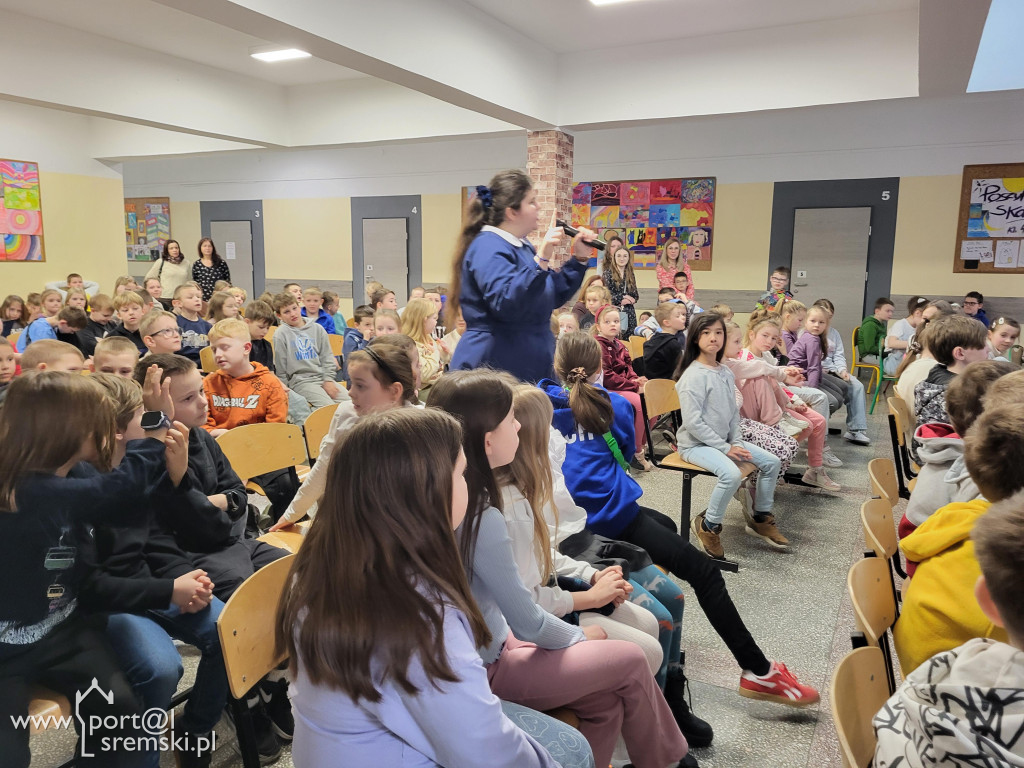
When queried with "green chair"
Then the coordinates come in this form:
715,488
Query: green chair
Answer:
875,370
885,378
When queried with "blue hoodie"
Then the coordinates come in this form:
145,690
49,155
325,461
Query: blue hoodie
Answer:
324,320
592,473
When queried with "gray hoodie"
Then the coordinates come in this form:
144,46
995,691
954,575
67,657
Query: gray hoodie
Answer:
962,708
303,354
707,401
943,478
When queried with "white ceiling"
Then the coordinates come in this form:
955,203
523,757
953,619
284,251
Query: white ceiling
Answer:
167,30
578,25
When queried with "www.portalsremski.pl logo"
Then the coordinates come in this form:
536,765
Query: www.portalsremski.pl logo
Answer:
152,731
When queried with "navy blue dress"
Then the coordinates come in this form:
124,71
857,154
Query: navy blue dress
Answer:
507,301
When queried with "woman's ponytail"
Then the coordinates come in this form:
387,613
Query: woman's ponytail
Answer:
577,359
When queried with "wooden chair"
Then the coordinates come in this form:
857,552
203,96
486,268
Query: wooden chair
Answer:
207,361
905,476
256,449
859,689
315,429
13,339
351,323
908,424
288,538
636,347
337,342
270,333
874,608
1016,353
885,379
874,370
246,628
43,704
659,397
883,480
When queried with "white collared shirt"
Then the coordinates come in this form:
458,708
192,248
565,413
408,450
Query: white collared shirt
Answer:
503,234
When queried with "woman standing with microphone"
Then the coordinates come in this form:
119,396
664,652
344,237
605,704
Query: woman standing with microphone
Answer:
505,289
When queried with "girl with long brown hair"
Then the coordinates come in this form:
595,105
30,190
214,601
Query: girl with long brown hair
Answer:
619,277
534,658
378,618
505,288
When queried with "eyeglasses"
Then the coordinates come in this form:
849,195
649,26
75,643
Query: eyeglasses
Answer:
171,331
970,303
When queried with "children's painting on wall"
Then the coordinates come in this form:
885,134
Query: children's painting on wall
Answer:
147,226
646,214
21,212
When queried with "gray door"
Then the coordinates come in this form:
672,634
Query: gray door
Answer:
830,256
234,243
386,255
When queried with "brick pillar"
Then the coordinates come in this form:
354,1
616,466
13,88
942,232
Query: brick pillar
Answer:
549,163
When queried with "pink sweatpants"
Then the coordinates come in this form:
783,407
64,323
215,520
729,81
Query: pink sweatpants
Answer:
609,686
814,435
638,420
763,400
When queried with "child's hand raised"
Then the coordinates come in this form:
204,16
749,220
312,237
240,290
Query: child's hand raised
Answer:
176,451
156,396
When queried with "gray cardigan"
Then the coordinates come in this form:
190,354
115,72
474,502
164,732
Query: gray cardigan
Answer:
503,598
708,405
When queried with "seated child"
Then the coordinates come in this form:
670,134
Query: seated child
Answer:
451,339
14,313
940,447
331,305
619,377
99,324
964,706
116,355
873,330
681,282
67,321
302,356
724,310
74,280
8,365
357,338
130,311
579,309
52,355
644,316
222,305
295,290
974,306
240,392
650,326
918,361
955,342
846,389
160,332
76,298
595,297
663,350
938,610
1002,336
188,303
563,323
385,322
779,281
384,298
34,307
897,341
259,316
312,306
418,323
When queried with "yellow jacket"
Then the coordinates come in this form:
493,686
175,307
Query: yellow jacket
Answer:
939,609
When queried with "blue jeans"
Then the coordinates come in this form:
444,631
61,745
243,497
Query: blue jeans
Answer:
656,592
153,665
563,742
856,406
728,473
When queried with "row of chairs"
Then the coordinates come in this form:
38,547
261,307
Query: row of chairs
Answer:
866,677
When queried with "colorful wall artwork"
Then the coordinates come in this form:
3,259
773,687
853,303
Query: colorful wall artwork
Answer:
646,214
147,227
991,224
21,212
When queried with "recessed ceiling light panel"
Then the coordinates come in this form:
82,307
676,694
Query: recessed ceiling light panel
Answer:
278,54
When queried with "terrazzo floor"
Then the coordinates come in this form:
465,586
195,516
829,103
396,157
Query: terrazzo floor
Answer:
794,604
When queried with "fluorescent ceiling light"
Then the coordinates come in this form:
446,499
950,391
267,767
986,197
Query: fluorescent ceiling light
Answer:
278,54
610,2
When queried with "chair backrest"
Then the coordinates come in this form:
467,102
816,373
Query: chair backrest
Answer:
315,428
854,339
859,689
351,322
636,346
207,361
874,605
906,419
895,413
883,480
13,339
256,449
247,623
879,533
337,342
1016,353
270,333
660,397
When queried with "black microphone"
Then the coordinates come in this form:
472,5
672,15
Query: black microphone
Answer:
572,232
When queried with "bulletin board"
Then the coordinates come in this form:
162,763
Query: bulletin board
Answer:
147,227
21,212
990,232
645,214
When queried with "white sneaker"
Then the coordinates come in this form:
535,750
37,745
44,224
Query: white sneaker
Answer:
829,459
816,476
791,425
858,437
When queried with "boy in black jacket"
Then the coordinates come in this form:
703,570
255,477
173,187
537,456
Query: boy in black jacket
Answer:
207,518
259,316
663,350
152,592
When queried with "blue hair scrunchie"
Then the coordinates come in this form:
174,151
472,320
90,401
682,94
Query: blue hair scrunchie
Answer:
483,194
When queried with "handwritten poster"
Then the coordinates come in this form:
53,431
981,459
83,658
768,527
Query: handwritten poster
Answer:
997,208
976,251
1007,254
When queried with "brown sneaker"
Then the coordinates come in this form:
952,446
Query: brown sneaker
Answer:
709,541
767,531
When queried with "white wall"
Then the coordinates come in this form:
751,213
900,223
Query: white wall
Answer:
60,142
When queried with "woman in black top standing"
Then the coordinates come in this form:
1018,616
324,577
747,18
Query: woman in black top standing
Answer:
209,268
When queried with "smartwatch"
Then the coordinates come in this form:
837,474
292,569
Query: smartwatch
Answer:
152,420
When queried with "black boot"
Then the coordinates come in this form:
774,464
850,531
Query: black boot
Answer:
697,732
